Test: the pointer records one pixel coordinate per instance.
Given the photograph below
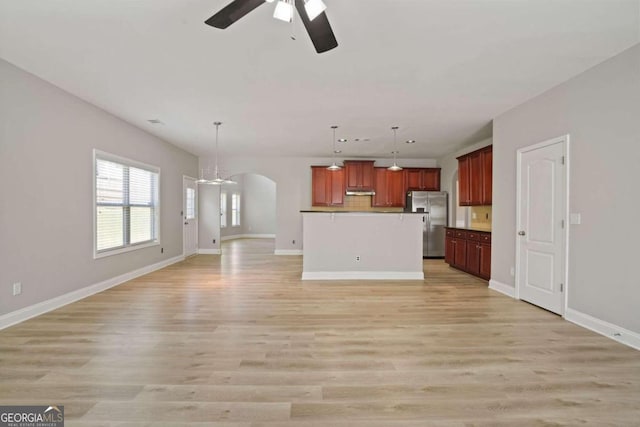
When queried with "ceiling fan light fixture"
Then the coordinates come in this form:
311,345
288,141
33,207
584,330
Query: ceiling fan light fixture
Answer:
314,8
284,11
269,1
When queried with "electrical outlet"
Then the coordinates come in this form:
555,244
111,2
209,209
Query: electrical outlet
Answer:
358,258
161,250
17,288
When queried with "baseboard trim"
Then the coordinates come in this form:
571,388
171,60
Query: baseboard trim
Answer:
288,252
609,330
363,275
209,252
507,290
43,307
248,236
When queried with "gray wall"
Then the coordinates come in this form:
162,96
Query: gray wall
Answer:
46,190
208,217
600,109
259,212
292,176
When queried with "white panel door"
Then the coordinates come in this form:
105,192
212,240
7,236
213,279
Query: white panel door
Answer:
190,216
541,228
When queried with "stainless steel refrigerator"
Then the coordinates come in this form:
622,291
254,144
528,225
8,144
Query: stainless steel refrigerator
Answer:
435,207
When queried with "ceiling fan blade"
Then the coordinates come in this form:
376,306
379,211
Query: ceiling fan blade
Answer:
232,12
319,29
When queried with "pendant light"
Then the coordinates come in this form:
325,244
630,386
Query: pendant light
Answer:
334,166
217,179
395,166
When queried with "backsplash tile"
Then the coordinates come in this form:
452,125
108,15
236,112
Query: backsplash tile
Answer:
481,217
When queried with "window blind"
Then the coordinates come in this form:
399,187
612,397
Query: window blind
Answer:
127,205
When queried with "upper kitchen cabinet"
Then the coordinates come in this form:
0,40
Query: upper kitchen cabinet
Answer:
422,179
475,172
389,187
358,175
327,187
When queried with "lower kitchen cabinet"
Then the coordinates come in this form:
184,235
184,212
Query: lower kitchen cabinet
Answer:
469,251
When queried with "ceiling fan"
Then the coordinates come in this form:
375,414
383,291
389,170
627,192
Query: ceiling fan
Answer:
311,12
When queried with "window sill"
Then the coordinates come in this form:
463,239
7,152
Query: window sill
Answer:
97,255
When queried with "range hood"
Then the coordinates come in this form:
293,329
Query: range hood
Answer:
360,193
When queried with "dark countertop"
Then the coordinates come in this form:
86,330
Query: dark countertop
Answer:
477,230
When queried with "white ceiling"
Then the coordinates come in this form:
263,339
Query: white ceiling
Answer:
439,69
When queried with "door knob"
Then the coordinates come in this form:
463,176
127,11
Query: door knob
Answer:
186,223
521,233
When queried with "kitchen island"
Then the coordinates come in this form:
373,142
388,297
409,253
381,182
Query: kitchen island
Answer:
362,245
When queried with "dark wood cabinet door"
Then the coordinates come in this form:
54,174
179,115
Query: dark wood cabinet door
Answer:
367,175
319,196
473,257
395,189
460,254
487,176
337,187
484,269
358,174
463,181
431,179
449,250
413,179
327,187
352,170
475,178
380,187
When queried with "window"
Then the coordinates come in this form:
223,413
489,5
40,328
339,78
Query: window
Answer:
235,210
223,209
126,204
191,203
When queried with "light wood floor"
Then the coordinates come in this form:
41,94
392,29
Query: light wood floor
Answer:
240,340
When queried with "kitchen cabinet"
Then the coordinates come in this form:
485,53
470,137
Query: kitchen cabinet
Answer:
455,253
475,174
464,194
358,175
389,188
422,179
469,251
327,187
487,176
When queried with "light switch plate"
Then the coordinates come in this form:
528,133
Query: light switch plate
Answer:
575,219
17,288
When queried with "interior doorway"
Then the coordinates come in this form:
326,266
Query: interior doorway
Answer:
189,216
541,252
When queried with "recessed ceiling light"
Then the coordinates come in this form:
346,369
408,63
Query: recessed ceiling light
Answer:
342,140
155,121
337,151
410,141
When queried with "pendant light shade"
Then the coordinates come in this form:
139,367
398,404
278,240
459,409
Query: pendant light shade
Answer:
334,166
395,166
284,11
